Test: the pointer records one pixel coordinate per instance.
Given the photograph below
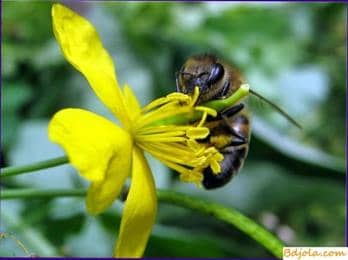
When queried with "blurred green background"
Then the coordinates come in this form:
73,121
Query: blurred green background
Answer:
293,182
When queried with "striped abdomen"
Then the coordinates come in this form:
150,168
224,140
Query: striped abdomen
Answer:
230,135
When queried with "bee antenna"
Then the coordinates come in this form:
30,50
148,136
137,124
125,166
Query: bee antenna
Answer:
278,109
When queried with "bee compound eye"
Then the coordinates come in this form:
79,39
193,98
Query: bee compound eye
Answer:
216,73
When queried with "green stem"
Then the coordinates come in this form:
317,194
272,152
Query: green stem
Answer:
34,193
16,170
227,215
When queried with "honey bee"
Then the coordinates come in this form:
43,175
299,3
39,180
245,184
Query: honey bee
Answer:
230,129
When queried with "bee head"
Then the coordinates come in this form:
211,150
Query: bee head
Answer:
203,71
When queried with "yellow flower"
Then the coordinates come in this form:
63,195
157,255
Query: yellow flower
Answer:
106,154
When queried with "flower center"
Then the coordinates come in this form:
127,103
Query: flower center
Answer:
164,128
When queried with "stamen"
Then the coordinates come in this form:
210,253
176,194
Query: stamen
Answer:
176,144
160,139
208,110
163,134
197,132
161,129
195,95
173,156
175,97
166,157
166,152
163,112
204,118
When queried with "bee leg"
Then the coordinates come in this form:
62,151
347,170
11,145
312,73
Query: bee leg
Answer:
239,142
231,111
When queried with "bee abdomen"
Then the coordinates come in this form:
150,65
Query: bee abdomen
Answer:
230,165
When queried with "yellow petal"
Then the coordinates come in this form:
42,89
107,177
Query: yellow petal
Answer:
140,210
82,47
99,149
132,103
